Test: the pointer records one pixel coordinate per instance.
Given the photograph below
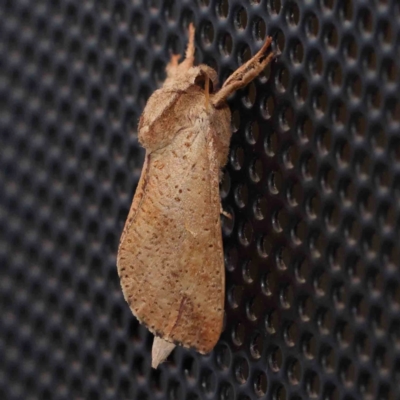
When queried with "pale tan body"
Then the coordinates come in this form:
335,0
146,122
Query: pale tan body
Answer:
170,259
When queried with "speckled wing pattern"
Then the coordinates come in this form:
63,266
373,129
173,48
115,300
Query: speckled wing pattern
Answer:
171,259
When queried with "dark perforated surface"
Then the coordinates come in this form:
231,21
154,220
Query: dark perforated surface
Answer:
313,183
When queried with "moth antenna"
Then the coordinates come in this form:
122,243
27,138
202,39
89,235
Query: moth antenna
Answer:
172,65
160,351
245,74
207,90
190,49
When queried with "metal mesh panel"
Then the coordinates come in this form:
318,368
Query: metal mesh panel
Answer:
312,182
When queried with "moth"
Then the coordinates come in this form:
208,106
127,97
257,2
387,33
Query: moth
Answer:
170,258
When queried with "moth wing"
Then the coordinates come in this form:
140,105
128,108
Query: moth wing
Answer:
170,259
139,193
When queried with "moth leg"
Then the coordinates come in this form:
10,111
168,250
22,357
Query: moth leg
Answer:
207,91
225,213
245,74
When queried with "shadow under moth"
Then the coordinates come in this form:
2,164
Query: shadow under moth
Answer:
170,258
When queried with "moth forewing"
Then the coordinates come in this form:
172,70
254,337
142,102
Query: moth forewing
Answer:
170,258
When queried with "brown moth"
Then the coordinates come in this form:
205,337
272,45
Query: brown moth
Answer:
170,258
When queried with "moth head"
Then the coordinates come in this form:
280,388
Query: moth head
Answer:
205,72
183,76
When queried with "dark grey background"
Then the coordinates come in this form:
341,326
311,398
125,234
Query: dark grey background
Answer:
313,184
